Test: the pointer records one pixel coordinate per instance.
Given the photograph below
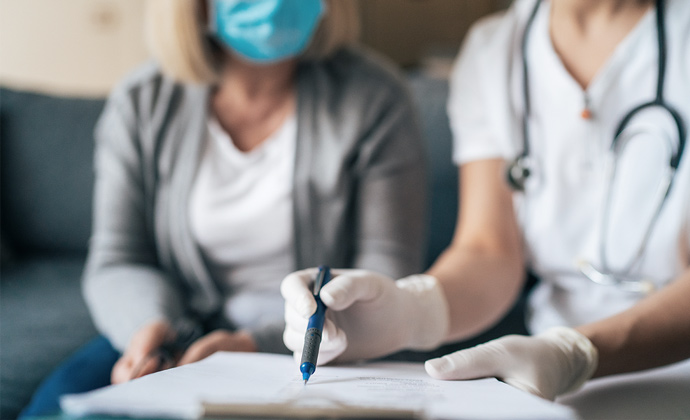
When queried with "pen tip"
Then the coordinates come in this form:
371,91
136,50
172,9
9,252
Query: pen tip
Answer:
305,382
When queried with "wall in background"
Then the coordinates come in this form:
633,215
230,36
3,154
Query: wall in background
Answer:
75,47
82,47
409,31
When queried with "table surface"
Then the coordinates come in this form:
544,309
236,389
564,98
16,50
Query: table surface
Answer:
662,393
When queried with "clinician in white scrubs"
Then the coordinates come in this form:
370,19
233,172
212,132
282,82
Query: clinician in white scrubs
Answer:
547,84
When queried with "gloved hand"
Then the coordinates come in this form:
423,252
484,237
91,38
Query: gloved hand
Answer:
555,362
369,315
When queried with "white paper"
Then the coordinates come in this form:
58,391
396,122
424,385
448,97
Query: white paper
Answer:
263,380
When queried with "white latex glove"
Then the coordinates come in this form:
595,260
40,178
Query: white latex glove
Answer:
555,362
369,315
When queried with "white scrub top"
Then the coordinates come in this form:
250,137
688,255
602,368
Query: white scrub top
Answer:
561,213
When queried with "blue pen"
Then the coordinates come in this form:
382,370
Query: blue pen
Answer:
312,339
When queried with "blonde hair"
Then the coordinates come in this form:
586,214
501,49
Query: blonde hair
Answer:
177,37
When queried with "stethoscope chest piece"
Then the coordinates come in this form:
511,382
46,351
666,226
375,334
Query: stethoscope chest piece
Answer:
517,173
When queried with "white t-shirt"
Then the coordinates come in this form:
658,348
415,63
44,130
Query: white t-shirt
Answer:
241,216
561,214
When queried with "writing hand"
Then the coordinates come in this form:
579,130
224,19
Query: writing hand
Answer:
369,315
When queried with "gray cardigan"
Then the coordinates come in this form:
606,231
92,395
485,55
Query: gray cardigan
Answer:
359,191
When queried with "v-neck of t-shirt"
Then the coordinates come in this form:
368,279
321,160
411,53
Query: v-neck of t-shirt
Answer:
272,145
608,72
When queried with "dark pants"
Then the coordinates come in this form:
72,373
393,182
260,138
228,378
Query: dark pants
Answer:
87,369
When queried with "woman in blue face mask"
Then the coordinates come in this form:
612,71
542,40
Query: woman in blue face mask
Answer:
260,141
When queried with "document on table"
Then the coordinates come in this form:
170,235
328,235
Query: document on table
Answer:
256,384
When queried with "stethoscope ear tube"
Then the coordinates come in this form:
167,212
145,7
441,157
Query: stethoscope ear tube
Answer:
676,154
518,171
661,195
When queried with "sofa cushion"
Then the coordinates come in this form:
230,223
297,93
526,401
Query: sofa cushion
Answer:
43,320
46,170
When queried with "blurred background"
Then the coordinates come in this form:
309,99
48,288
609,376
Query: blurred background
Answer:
82,47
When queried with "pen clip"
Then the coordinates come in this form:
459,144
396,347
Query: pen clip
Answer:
321,279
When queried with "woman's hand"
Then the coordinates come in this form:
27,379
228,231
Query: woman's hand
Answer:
139,358
219,340
555,362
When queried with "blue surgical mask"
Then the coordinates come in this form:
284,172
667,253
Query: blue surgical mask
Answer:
265,31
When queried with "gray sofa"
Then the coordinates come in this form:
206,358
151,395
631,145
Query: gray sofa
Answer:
46,150
46,173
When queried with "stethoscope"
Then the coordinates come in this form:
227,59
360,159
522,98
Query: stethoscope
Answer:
520,168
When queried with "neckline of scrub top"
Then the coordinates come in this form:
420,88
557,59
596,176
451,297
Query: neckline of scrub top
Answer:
611,66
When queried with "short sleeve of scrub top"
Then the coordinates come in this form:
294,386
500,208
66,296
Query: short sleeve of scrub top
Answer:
561,219
480,100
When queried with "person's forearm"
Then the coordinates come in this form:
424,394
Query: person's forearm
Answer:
123,298
653,333
482,272
479,287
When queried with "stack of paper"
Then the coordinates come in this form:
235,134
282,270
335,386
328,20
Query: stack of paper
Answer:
254,384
